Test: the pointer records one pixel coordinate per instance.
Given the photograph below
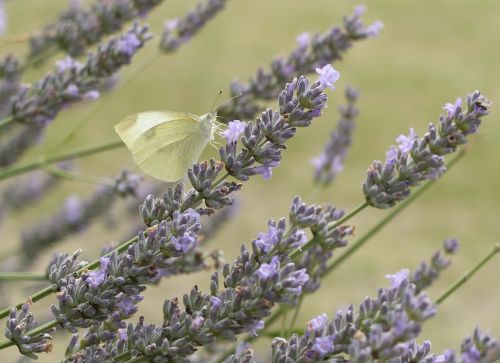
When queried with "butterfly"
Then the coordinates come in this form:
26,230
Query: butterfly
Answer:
165,144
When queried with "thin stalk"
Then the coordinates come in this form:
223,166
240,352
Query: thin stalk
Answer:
63,174
35,297
17,169
6,120
465,277
22,276
295,254
296,313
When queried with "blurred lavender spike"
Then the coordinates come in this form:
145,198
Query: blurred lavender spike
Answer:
331,160
26,191
382,329
427,273
19,324
179,31
79,28
480,347
417,159
69,83
10,77
311,52
74,216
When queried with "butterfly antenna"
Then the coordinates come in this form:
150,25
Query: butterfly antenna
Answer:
227,100
214,107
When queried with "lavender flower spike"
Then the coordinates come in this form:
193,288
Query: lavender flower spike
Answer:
418,159
180,31
331,160
381,330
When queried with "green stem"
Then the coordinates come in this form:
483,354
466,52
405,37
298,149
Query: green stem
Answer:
22,276
6,120
63,174
36,164
465,277
295,254
296,313
35,297
141,358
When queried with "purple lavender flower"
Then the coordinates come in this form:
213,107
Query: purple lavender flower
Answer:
322,346
96,278
452,109
405,143
303,40
374,29
327,76
129,44
451,245
267,270
398,278
317,324
234,130
265,241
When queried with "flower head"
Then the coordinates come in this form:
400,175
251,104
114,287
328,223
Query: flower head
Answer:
405,143
398,278
374,29
303,40
327,76
267,270
452,109
234,130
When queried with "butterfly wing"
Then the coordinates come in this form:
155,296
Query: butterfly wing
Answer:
171,161
164,144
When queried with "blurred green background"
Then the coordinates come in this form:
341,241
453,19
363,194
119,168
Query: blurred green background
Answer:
429,53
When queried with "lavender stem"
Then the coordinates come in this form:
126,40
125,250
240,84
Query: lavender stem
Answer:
37,164
466,276
22,276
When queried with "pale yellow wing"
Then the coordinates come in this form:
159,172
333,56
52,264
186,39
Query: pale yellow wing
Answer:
171,161
132,127
164,144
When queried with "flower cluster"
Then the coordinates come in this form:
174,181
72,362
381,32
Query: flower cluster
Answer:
312,52
331,160
116,286
179,31
79,28
382,328
75,215
18,328
254,283
417,159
